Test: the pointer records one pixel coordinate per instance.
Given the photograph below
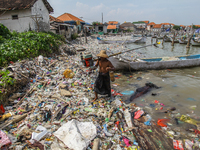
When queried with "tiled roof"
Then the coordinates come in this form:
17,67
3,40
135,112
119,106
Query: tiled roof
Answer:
157,26
168,24
197,25
146,22
151,23
127,24
69,17
111,27
113,22
51,18
21,4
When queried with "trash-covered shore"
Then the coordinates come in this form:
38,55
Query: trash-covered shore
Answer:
53,111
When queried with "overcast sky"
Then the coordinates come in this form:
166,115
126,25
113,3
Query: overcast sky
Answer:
179,12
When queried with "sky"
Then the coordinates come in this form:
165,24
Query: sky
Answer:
179,12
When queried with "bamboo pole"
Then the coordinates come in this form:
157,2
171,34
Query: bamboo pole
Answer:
129,50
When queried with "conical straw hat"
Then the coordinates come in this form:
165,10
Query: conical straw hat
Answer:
102,54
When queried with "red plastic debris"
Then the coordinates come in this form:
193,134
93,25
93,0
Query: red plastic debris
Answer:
2,110
162,122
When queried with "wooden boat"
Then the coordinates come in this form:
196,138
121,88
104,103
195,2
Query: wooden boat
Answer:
175,40
195,42
157,63
137,35
139,40
167,39
182,41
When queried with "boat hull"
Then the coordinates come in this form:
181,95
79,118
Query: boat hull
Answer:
182,41
154,65
194,43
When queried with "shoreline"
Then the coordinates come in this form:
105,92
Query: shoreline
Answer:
48,94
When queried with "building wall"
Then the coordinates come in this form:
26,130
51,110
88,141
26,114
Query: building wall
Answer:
96,28
40,10
23,23
105,29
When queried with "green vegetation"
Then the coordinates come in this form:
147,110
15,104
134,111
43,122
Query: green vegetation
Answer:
74,36
176,27
139,22
96,23
17,46
5,80
195,27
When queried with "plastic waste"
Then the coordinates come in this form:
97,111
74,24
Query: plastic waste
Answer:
188,144
187,119
127,92
39,136
148,122
138,114
127,116
105,130
4,139
162,122
178,144
126,141
5,116
76,135
2,110
68,73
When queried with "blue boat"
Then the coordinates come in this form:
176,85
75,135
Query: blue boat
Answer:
157,63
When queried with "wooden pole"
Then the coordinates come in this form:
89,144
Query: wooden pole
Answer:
173,39
85,29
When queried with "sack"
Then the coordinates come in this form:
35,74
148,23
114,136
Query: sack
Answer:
112,77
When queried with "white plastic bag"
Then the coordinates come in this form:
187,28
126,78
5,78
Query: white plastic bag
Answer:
76,135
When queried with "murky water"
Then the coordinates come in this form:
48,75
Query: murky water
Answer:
179,87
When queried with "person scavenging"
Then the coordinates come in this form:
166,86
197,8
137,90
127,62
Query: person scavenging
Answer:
102,83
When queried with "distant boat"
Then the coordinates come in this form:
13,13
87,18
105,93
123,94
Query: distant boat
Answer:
167,39
137,35
195,42
157,63
181,41
175,40
139,40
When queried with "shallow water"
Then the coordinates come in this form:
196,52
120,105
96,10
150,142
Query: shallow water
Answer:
179,87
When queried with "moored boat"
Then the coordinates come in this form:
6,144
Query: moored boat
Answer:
182,41
175,40
138,40
157,63
195,42
167,39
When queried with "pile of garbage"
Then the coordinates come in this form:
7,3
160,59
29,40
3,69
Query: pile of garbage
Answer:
55,112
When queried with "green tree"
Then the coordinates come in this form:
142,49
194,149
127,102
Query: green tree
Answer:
96,23
176,27
195,27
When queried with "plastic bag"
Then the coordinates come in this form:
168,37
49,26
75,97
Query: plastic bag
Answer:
178,144
76,135
68,73
189,120
4,139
